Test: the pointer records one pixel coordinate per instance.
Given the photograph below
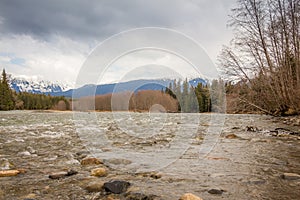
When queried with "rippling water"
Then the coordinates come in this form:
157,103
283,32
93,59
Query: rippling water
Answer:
191,152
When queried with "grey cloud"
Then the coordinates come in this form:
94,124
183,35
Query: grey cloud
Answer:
95,19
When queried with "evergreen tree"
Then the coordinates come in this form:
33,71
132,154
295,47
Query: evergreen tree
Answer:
6,95
185,97
193,101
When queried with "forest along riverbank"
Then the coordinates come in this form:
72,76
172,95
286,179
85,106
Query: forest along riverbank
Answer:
256,157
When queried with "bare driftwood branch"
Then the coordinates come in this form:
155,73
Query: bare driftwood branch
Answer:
256,106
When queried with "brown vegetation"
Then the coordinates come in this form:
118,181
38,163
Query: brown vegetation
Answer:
140,101
265,55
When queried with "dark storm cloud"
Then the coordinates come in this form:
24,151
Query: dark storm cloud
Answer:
97,19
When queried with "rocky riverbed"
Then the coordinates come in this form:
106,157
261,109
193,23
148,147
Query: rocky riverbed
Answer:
64,155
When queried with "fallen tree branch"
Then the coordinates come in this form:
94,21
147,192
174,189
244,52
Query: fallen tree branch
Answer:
256,106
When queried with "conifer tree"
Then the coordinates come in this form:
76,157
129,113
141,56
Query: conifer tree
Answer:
6,96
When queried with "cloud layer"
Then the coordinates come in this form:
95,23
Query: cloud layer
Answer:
52,38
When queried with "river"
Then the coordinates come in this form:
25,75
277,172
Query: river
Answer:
237,155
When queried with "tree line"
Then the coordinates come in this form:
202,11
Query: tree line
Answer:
205,97
10,100
179,96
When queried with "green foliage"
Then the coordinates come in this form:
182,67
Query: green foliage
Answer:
6,94
39,101
203,98
9,99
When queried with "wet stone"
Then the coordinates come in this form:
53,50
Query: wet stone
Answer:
290,176
231,136
72,172
156,175
139,196
116,187
59,175
99,172
72,162
119,161
251,129
215,191
82,154
6,173
257,182
235,128
95,186
30,197
30,150
91,161
24,153
5,164
189,196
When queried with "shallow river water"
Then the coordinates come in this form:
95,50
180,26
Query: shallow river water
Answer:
193,153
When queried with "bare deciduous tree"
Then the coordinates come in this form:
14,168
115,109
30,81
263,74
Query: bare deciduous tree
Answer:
265,53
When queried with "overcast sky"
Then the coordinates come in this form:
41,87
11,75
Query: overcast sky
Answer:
50,39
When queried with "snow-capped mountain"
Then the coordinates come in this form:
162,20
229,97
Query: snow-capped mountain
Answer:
133,86
36,86
20,84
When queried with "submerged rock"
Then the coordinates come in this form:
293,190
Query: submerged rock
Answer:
91,161
235,128
116,187
118,161
231,136
138,196
189,196
156,175
31,196
24,153
72,172
58,175
215,191
251,129
5,164
290,176
101,171
30,150
63,174
95,186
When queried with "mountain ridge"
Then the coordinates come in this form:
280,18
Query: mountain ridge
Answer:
55,89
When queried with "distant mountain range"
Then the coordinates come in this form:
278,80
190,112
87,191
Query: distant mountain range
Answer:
36,86
54,89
